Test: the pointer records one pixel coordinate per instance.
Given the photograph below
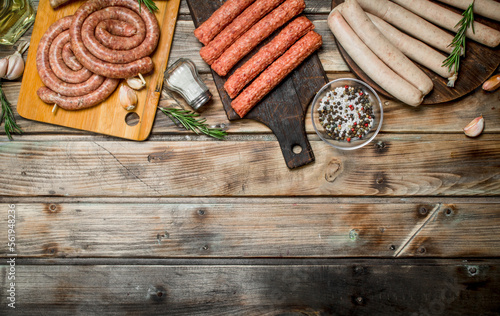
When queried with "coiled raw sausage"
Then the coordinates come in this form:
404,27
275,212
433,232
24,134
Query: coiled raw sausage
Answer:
80,102
105,60
69,85
49,78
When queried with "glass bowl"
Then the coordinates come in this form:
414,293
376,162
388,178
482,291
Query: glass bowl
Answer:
377,113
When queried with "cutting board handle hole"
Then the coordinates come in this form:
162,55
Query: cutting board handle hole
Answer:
132,119
296,149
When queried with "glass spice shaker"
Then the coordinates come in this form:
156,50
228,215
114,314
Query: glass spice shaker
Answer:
16,16
183,78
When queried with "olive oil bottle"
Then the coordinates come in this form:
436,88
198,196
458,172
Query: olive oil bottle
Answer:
16,16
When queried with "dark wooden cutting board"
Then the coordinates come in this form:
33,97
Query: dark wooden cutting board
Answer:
284,109
478,65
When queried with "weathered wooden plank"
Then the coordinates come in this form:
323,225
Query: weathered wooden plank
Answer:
394,165
361,287
220,230
444,118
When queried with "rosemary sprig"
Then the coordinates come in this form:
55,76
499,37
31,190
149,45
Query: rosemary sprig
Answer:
458,43
149,4
190,121
7,115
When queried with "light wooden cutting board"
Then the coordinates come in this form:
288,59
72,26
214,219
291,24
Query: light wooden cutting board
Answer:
108,117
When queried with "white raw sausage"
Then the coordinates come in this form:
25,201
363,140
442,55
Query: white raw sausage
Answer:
448,19
413,48
371,64
382,47
409,23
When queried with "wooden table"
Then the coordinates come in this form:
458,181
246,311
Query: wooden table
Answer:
184,224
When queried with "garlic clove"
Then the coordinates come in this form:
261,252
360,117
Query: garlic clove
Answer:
135,83
128,97
15,66
475,127
4,63
492,84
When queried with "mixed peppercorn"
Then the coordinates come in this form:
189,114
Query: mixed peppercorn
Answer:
346,113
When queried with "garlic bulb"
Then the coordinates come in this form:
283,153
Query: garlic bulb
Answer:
12,67
475,127
128,97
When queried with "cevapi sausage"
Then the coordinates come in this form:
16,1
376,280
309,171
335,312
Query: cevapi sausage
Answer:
80,102
413,48
233,31
449,20
409,22
220,19
96,64
267,54
45,71
382,47
276,72
257,33
370,63
486,8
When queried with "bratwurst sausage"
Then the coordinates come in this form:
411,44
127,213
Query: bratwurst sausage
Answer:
141,62
382,47
370,63
450,20
409,23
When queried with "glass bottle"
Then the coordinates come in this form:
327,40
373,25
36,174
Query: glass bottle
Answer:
16,16
182,77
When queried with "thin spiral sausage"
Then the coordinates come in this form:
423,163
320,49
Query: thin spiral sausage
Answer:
108,62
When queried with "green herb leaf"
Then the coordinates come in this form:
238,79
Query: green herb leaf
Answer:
149,4
191,121
7,115
458,43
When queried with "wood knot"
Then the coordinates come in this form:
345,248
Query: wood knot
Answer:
52,208
333,169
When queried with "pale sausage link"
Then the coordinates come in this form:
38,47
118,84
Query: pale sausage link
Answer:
370,63
276,72
45,71
80,102
117,50
260,31
267,54
382,47
59,67
96,65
